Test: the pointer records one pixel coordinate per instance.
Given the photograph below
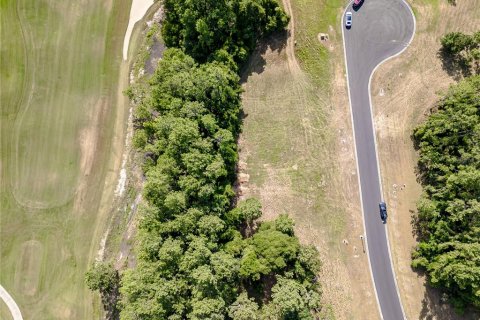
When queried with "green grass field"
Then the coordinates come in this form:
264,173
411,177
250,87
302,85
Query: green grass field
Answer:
295,108
60,63
315,17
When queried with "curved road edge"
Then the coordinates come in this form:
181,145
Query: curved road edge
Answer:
376,146
11,304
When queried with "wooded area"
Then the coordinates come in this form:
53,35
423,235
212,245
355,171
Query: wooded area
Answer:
198,255
449,211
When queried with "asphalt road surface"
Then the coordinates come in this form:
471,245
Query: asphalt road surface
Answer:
381,29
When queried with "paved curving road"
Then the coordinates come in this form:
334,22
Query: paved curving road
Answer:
381,29
7,298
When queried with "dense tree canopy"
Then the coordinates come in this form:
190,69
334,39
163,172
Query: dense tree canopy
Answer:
199,258
449,210
220,29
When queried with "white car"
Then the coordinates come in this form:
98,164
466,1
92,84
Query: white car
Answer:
348,20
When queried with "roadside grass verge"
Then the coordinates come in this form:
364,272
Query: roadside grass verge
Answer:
290,159
311,18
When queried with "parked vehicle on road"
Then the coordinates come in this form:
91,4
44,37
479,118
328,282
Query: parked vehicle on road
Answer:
383,211
348,20
357,2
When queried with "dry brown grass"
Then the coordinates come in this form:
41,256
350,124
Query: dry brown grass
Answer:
297,156
403,90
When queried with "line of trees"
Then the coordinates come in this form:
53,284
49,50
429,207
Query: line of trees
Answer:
220,30
198,255
449,209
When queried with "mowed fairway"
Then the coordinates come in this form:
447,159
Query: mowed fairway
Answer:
60,63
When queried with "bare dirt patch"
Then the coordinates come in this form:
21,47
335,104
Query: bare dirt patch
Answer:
403,90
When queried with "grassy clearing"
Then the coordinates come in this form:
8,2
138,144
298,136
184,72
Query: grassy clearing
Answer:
290,159
411,85
5,312
311,18
59,75
297,153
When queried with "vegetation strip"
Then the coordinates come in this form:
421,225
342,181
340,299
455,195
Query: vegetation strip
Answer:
198,257
448,222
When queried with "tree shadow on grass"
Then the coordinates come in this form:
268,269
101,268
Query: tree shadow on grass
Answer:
435,306
256,63
456,66
275,42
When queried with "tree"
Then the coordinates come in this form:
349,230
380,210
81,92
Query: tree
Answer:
208,308
455,42
147,295
269,251
294,301
169,256
225,266
463,48
192,259
246,212
211,29
204,282
243,308
104,278
308,264
284,224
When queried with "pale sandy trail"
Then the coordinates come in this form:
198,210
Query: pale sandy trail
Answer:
14,309
138,10
292,60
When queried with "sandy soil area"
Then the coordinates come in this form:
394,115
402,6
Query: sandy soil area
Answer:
137,11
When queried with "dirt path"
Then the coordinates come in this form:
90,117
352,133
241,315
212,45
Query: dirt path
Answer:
14,309
290,49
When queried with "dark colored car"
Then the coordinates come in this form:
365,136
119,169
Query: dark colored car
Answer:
383,211
357,2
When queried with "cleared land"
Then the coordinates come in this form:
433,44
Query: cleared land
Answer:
297,151
403,90
60,96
